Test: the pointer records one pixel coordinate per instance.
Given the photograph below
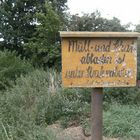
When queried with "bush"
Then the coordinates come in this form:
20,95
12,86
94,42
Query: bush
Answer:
43,55
11,66
36,100
122,95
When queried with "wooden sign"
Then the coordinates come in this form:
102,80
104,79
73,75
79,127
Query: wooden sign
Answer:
99,59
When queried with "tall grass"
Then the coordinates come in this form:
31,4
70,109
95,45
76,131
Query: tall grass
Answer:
122,121
35,101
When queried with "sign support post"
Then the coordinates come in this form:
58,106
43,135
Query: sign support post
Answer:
97,113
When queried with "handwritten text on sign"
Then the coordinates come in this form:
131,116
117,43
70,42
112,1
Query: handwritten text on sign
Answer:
99,62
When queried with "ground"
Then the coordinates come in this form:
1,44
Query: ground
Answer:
72,133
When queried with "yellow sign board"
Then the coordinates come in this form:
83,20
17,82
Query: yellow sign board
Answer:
99,59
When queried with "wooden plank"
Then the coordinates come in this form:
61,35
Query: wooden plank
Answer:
99,62
99,34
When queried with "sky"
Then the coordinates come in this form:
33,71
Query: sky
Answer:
125,10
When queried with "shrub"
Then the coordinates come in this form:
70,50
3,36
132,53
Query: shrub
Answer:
24,106
122,95
36,100
11,66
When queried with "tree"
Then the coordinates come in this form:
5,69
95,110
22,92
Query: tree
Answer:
17,22
138,28
94,22
138,56
59,6
30,26
42,48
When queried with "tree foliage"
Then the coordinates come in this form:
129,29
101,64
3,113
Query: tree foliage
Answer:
31,27
17,21
42,47
94,22
138,27
11,67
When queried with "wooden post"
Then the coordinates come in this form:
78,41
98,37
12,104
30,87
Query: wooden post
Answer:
97,113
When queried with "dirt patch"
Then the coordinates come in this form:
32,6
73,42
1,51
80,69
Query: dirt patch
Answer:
72,133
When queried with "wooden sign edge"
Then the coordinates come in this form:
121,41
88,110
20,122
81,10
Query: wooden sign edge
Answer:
64,34
133,35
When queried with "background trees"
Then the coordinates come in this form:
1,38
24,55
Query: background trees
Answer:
138,28
94,22
31,27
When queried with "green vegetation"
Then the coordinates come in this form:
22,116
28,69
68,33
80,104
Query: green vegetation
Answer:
31,96
95,22
12,66
37,100
122,121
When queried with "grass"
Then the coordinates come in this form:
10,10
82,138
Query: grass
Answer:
122,121
37,100
119,121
